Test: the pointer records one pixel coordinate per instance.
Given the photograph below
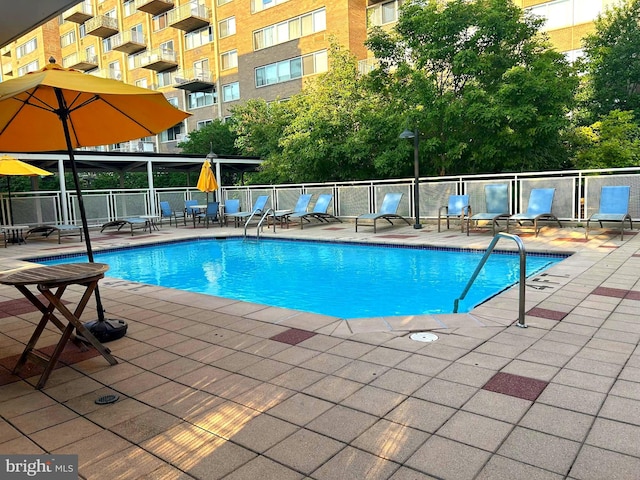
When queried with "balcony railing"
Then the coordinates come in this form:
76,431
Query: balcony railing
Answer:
189,17
102,26
128,42
107,73
80,61
135,146
158,59
194,80
79,14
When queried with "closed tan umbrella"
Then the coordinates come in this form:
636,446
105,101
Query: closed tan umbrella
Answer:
9,167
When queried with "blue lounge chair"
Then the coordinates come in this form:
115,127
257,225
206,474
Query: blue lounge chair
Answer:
497,206
61,230
319,211
538,208
231,207
458,207
388,210
242,217
167,211
211,214
301,206
614,207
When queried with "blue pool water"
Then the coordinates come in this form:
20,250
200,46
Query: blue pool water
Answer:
337,279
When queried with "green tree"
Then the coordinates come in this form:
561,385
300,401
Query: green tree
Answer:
612,63
475,77
613,141
218,135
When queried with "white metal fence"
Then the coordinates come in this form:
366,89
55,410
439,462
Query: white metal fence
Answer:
577,196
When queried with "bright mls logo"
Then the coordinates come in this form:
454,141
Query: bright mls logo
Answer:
51,467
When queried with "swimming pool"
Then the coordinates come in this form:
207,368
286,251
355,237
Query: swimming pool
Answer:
337,279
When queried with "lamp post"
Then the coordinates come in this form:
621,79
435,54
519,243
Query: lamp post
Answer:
416,172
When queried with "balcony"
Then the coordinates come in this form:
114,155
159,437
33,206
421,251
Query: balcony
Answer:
128,42
194,80
102,26
107,73
158,59
154,7
79,14
135,146
82,62
189,17
367,65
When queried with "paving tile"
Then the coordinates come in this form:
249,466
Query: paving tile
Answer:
515,385
445,392
420,414
391,440
572,398
95,448
263,397
326,363
293,336
423,365
475,430
621,409
441,458
350,349
304,451
300,409
359,371
215,460
133,462
333,389
595,464
385,356
466,374
145,426
375,401
615,436
354,464
297,378
341,423
557,421
531,370
540,450
497,405
43,418
224,419
501,468
263,432
261,467
400,381
623,388
30,402
404,473
64,433
584,380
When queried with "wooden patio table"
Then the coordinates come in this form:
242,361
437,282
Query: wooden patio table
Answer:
58,278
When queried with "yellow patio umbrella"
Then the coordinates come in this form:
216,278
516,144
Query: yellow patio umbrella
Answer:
9,167
61,109
207,180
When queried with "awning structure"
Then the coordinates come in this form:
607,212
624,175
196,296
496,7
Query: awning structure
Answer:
20,17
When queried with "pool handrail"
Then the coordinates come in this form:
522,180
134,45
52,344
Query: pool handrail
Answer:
523,274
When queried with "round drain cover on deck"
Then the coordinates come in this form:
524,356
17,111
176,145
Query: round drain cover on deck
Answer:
105,399
423,337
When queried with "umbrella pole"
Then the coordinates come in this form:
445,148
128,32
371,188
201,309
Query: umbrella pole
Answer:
10,219
102,329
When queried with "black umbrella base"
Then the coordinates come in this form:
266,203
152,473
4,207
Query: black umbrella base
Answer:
107,330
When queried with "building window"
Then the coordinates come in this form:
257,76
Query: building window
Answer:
566,13
227,27
26,48
82,30
114,70
173,101
165,79
203,123
230,92
142,83
383,13
290,29
229,59
29,67
129,8
259,5
107,44
173,134
200,99
160,22
201,70
291,69
198,38
90,53
167,48
68,38
223,2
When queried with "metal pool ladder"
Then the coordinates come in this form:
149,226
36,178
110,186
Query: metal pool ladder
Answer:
523,274
265,215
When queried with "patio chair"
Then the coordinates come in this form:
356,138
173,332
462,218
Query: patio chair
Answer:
167,212
210,215
301,207
388,210
457,207
231,207
132,222
189,211
614,207
319,211
243,217
538,208
497,207
61,230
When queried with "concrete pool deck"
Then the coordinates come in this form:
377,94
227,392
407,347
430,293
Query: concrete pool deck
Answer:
211,388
